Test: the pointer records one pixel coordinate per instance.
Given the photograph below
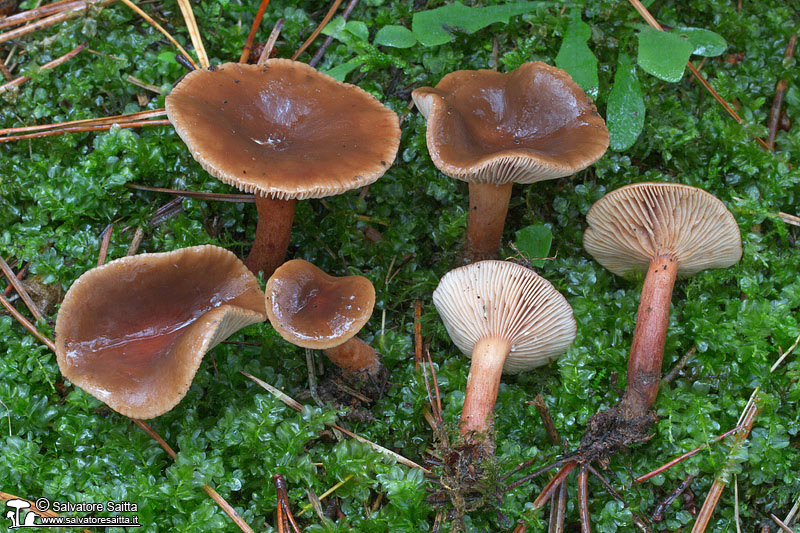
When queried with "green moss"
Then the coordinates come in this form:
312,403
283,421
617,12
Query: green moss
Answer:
57,195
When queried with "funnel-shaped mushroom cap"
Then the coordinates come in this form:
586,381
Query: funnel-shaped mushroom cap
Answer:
283,129
312,309
133,332
630,226
502,300
531,124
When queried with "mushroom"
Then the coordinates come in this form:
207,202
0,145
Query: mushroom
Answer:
666,230
508,319
492,130
312,309
286,132
132,333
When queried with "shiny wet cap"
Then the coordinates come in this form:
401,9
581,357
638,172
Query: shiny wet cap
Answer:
283,129
312,309
132,333
531,124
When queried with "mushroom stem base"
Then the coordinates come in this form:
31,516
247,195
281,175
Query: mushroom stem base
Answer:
273,231
357,357
488,358
649,337
488,205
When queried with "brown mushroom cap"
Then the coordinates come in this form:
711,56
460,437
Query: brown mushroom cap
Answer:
312,309
630,226
133,332
528,125
282,129
505,301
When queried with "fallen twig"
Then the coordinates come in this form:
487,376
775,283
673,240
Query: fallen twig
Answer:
78,129
297,406
194,33
59,17
710,503
262,7
654,23
20,288
777,102
328,40
661,508
116,119
325,20
219,197
101,257
49,65
164,32
271,40
214,495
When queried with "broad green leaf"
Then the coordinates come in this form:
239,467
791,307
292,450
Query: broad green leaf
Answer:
576,58
436,26
358,29
335,27
534,243
395,36
705,42
625,110
340,71
663,54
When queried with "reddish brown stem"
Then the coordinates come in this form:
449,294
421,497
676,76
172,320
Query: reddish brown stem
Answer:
355,356
649,337
273,231
488,205
483,381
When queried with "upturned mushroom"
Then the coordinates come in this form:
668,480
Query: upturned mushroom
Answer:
285,132
312,309
492,130
665,230
508,319
132,333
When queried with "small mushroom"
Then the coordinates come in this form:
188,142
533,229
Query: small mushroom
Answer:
132,333
285,132
666,230
312,309
492,130
508,319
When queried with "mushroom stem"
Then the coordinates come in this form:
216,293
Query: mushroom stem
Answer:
649,337
488,358
273,231
355,356
488,205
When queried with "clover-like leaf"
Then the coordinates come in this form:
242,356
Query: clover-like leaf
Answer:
395,36
436,26
663,54
534,243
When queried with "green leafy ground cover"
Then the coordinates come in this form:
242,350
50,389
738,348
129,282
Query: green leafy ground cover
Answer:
59,193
